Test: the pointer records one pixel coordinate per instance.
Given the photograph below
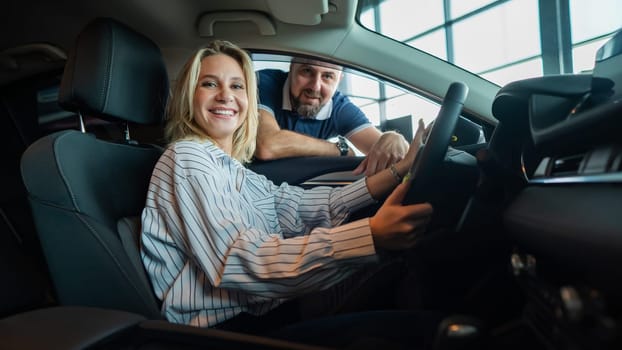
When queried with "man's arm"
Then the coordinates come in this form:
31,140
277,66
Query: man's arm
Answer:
275,143
382,149
365,138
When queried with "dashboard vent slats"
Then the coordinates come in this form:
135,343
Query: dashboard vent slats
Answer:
567,166
598,165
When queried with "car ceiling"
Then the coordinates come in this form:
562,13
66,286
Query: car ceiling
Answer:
171,24
316,27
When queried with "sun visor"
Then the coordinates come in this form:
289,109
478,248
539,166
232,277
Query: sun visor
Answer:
235,21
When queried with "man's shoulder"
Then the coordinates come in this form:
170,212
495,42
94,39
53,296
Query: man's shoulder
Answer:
340,99
342,104
346,115
270,82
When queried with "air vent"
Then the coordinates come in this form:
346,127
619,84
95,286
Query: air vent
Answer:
566,166
599,165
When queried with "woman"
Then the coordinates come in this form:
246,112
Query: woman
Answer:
219,240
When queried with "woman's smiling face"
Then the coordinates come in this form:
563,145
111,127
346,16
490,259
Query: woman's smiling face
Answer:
220,98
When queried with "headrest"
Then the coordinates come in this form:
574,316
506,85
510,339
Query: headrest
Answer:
115,73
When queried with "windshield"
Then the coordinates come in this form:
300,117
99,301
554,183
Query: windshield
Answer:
501,41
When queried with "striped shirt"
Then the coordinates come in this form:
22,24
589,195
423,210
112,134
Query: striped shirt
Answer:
218,239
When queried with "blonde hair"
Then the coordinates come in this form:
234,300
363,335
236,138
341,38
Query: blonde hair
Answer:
180,123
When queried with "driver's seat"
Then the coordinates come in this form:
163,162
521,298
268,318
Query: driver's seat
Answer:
87,194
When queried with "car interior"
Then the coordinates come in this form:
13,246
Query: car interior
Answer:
523,251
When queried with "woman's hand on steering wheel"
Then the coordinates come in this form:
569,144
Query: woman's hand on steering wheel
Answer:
430,158
396,226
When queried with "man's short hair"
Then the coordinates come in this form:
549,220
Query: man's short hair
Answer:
313,62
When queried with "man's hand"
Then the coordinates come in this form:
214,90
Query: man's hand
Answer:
389,149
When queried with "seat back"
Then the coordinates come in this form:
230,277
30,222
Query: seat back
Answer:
82,189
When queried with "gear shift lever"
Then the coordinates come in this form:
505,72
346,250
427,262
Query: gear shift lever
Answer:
459,332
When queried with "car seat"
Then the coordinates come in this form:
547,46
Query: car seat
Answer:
87,194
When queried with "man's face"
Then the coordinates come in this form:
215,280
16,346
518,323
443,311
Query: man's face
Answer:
312,86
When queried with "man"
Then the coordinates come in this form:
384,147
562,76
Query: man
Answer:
299,110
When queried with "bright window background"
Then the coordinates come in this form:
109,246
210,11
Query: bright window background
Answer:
478,47
591,22
583,55
462,7
428,14
500,40
433,43
593,18
517,71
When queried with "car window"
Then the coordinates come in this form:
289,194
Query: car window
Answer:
386,105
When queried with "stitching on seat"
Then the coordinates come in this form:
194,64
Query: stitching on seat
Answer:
106,88
60,170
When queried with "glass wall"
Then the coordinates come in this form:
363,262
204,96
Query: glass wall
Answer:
521,38
592,23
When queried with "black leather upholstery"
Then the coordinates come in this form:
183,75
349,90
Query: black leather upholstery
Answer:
23,270
64,328
115,73
71,328
80,188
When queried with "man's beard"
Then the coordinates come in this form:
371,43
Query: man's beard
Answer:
308,111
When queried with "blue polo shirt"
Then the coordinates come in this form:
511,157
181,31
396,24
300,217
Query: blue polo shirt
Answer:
337,117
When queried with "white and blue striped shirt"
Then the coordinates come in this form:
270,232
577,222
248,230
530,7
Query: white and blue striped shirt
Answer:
219,239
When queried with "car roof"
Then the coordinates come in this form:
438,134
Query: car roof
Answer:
321,28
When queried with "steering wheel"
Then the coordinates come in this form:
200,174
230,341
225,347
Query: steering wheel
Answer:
432,154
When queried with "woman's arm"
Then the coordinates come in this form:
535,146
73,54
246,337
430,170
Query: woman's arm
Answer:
300,210
396,226
236,252
385,181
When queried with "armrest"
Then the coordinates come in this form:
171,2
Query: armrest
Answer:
65,327
160,333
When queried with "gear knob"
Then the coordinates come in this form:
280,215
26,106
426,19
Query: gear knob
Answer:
459,332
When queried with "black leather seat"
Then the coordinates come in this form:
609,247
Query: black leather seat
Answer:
87,194
78,327
22,268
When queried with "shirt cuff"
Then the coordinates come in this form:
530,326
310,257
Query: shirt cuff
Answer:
353,240
357,129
